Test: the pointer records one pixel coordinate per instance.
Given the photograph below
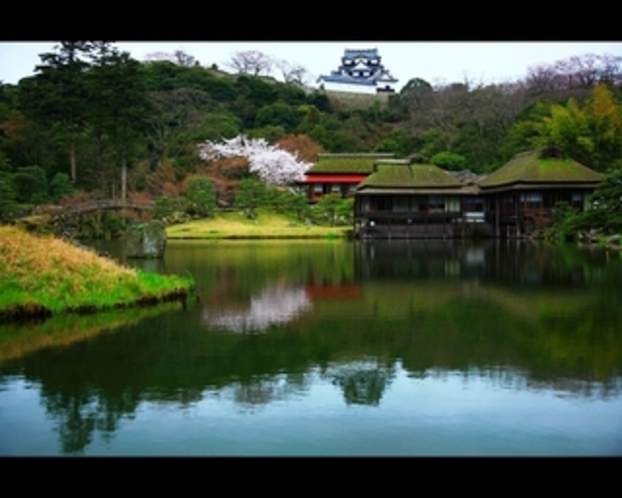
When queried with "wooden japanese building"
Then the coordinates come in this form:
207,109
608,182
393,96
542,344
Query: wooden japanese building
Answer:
401,199
520,195
339,173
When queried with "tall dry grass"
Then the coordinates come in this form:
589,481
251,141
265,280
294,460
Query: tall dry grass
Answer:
49,272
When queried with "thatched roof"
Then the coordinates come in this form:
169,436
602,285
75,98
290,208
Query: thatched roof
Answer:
347,163
413,176
541,166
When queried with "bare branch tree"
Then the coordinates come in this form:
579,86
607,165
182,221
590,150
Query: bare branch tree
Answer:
251,62
184,59
579,71
610,69
541,78
293,72
178,57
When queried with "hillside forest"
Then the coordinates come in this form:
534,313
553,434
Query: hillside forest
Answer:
92,122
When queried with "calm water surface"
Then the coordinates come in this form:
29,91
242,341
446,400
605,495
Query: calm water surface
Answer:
334,348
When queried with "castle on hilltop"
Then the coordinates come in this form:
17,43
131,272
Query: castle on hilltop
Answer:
361,72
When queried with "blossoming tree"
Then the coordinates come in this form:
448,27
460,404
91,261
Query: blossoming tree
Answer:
273,165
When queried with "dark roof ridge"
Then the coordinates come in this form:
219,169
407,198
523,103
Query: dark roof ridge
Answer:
381,160
356,154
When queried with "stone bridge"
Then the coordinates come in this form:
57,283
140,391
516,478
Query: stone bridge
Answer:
104,204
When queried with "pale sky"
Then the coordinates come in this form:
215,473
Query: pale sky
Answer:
436,62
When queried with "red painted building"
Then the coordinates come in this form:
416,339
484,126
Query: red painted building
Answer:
339,173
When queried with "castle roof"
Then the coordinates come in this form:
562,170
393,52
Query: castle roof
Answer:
371,53
354,74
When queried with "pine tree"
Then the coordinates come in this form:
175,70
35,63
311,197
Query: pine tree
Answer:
57,94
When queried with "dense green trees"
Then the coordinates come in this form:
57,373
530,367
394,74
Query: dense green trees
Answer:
8,196
89,93
31,185
604,216
114,124
121,109
590,133
57,95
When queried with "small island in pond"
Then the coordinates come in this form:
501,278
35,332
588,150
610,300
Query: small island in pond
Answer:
44,275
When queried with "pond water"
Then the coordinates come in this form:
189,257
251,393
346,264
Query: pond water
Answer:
334,348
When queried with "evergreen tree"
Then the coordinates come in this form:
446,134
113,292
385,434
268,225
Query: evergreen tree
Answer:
8,195
121,108
57,94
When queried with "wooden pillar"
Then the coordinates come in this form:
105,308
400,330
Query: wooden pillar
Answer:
497,218
519,217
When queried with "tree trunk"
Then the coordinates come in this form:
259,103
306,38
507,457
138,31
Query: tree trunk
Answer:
72,161
100,154
123,180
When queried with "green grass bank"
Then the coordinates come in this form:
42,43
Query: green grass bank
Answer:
42,276
267,225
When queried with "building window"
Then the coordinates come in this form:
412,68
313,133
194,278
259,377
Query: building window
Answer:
400,204
474,205
577,201
531,197
365,205
452,205
436,204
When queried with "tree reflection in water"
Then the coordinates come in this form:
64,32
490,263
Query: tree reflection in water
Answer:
261,390
346,329
363,382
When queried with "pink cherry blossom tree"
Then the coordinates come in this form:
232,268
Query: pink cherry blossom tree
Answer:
273,165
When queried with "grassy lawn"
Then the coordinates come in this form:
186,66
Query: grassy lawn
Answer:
46,275
267,225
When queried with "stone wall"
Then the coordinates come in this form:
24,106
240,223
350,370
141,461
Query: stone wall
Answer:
351,100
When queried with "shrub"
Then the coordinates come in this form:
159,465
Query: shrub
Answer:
449,160
8,195
165,207
252,193
61,186
334,209
201,196
31,184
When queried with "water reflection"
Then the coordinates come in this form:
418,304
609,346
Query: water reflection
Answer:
363,382
509,262
261,390
328,326
272,306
